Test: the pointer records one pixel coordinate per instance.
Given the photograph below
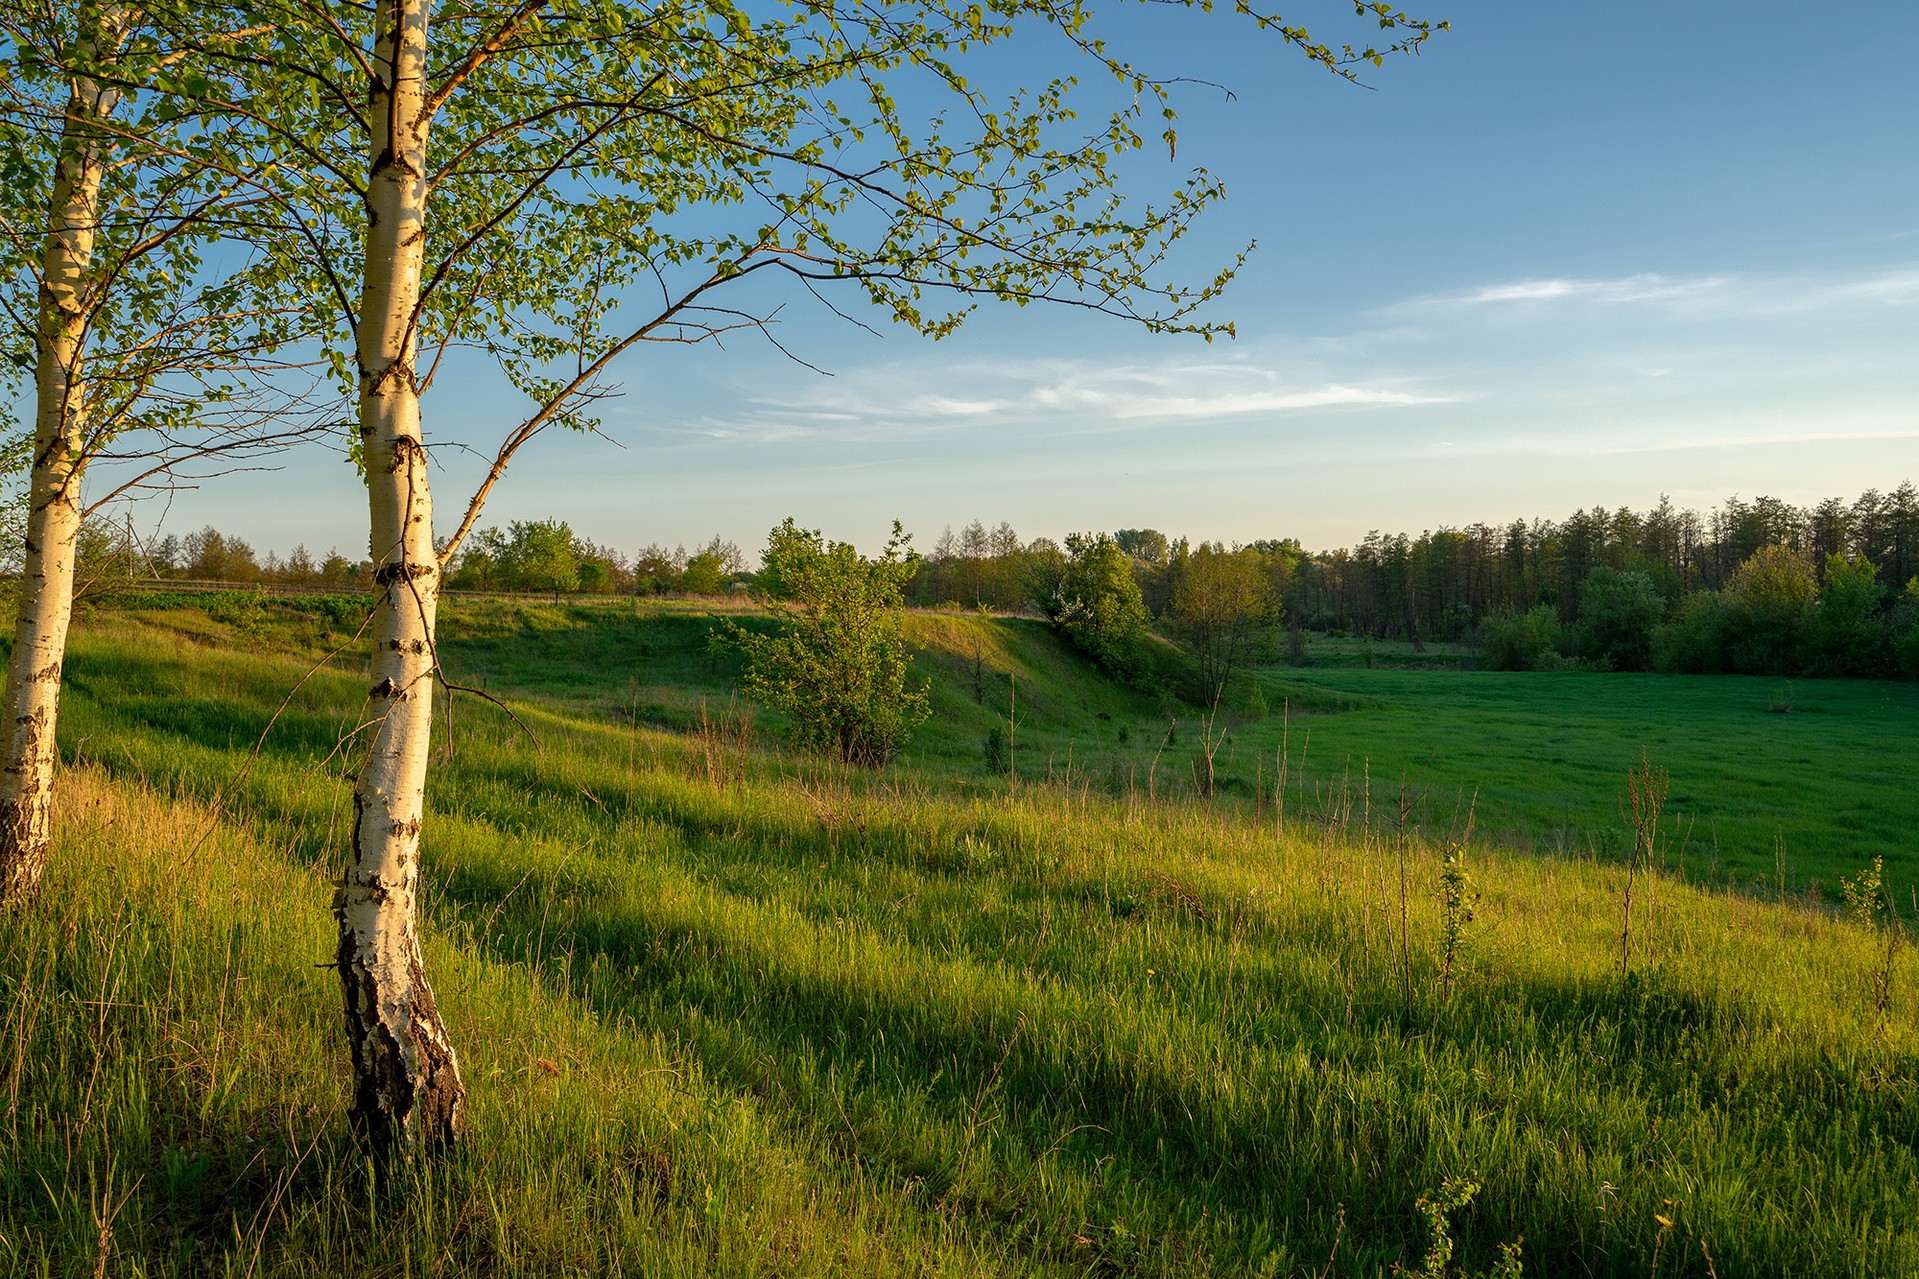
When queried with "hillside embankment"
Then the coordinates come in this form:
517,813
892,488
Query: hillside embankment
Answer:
728,1011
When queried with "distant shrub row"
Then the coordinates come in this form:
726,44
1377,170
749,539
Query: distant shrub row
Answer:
1775,617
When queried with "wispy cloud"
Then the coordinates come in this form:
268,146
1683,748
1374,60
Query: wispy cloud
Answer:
1609,373
1063,396
1630,289
1692,297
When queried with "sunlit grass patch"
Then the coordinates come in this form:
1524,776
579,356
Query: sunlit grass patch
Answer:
728,1010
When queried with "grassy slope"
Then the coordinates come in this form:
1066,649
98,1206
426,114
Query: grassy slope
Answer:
1547,753
731,1013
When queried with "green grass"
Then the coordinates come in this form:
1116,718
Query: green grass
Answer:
1547,754
730,1012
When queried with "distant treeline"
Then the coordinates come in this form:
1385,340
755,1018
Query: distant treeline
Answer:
1447,581
1760,586
546,556
533,557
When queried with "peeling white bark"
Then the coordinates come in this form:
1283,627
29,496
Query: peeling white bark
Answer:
32,696
407,1090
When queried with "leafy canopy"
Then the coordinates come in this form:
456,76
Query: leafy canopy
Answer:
1096,603
181,315
606,173
838,661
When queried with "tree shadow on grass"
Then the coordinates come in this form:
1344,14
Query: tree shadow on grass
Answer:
1268,1139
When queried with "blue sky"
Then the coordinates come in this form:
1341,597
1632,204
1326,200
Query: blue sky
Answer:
1571,254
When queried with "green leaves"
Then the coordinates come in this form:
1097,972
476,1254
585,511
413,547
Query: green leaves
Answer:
837,665
116,123
602,173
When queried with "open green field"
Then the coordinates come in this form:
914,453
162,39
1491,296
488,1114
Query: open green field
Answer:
731,1012
1547,755
1541,758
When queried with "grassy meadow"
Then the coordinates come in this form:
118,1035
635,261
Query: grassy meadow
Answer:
1769,777
1810,776
728,1011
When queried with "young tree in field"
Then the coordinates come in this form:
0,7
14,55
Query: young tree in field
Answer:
552,183
838,665
542,555
480,566
708,570
1223,605
1097,603
120,177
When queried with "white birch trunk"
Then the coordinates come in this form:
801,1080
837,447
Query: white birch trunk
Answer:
32,697
407,1090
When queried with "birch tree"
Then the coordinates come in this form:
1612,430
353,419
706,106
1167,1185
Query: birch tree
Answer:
115,186
555,183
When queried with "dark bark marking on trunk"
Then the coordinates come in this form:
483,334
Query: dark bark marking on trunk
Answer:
399,1105
23,856
388,574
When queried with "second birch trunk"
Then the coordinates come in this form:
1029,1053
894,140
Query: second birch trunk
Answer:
31,702
407,1087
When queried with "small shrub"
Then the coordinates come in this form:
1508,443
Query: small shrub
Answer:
1257,706
1456,903
1868,906
1453,1194
1864,894
994,747
1646,791
245,612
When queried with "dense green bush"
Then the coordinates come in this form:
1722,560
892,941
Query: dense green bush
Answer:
1618,613
1528,641
1770,604
1776,618
1904,629
838,665
1848,635
1695,641
1097,605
